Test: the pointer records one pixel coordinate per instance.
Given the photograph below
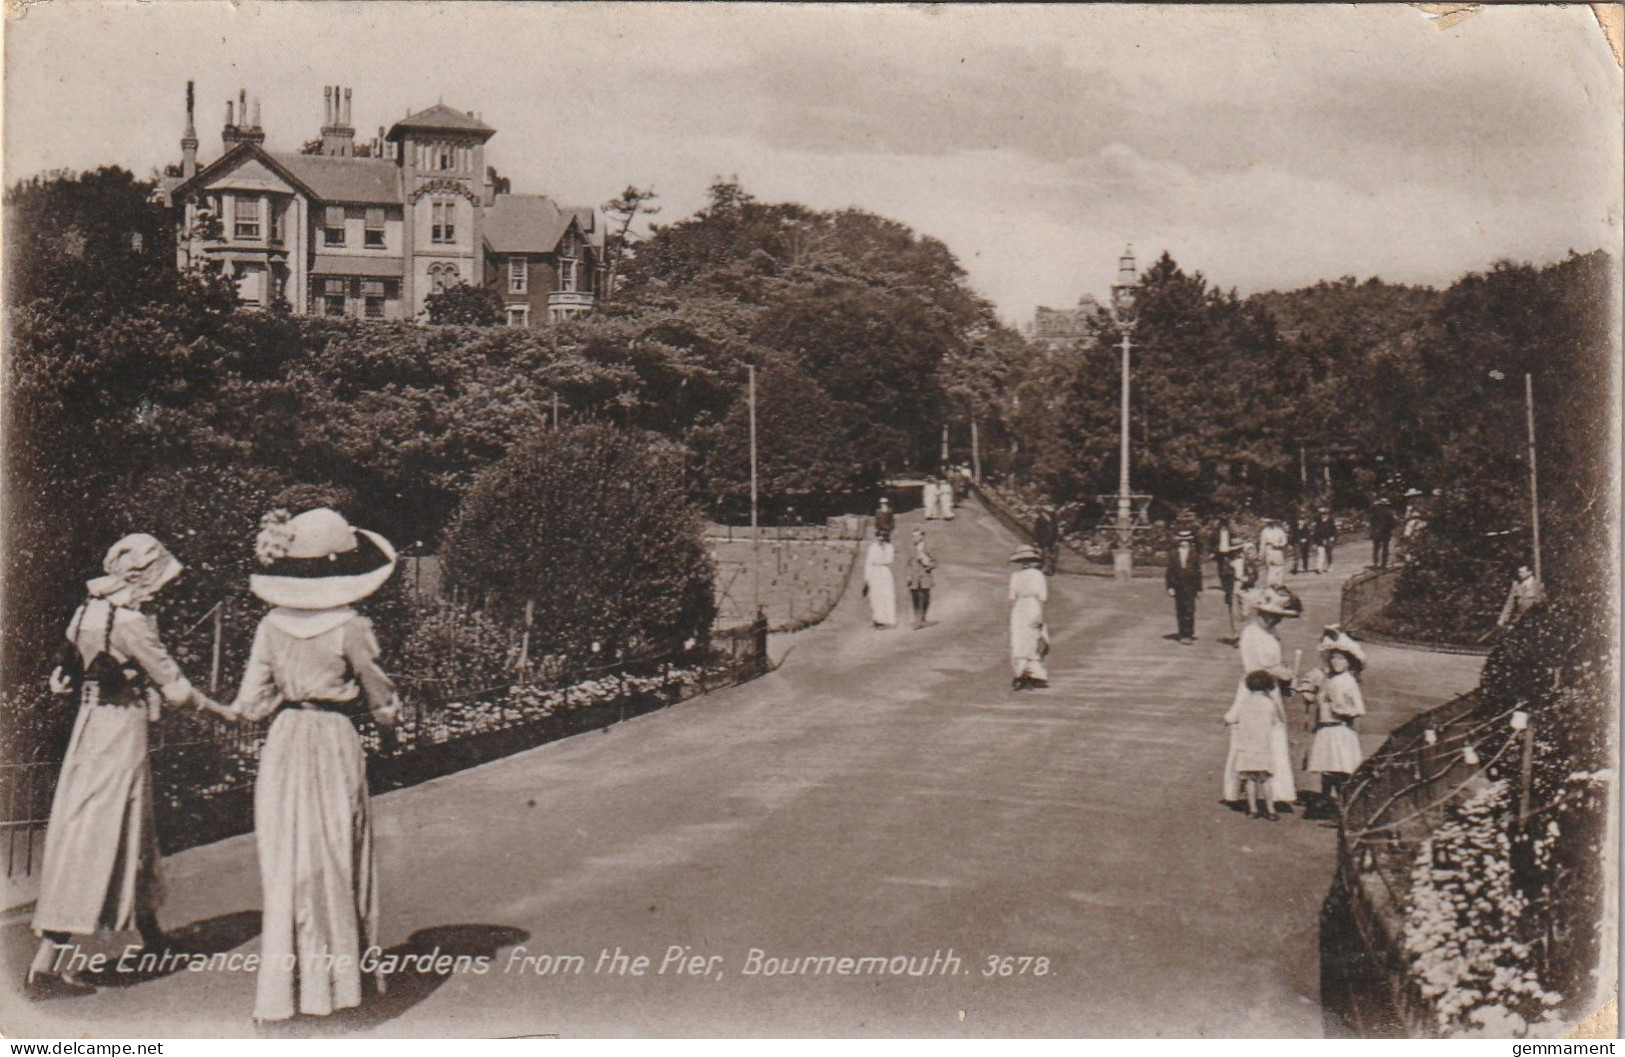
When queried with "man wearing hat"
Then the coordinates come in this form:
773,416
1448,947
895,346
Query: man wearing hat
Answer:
1184,582
885,520
1382,531
1047,536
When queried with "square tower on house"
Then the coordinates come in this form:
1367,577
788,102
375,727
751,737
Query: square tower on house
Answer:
441,153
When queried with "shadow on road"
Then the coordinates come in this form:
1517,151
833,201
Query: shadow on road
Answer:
412,985
216,935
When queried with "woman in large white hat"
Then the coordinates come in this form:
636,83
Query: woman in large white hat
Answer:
313,665
1334,693
1261,651
1029,638
101,850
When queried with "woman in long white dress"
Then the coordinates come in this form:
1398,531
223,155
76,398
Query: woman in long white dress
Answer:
1029,638
879,584
1261,651
928,498
945,499
100,868
313,665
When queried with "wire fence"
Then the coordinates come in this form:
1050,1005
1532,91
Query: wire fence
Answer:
1392,805
203,770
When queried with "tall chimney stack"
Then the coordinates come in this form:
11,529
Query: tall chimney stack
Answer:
189,139
338,137
347,107
229,123
256,111
327,105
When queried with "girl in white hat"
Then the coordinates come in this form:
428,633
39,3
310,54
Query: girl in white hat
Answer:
101,850
1333,692
314,665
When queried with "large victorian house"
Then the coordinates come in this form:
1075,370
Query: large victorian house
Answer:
371,230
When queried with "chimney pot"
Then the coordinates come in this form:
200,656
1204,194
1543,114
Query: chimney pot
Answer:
228,114
327,104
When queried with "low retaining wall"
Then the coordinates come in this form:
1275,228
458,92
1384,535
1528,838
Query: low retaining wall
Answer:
1364,598
1070,561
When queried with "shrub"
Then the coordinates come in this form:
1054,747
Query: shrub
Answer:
592,524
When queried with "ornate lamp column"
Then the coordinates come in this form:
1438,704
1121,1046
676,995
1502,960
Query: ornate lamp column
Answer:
1123,309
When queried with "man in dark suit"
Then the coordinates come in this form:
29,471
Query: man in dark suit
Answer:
1382,531
1047,536
1184,581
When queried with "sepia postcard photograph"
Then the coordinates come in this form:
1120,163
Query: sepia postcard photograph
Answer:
810,520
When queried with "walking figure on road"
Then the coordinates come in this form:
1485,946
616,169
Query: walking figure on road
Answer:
879,586
1261,651
928,498
919,569
313,666
1325,540
1254,719
1183,578
1047,537
1029,637
101,849
1272,542
1382,532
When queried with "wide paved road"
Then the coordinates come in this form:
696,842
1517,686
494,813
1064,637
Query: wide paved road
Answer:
883,793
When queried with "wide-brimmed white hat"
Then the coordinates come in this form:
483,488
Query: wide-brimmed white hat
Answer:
1276,601
1345,645
1026,554
318,561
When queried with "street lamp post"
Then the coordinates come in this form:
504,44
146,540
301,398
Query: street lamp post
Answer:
755,528
1123,307
1534,477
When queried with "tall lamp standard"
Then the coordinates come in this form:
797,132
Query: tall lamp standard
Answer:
1123,310
1534,479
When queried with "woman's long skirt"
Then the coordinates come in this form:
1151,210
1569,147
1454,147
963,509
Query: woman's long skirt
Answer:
1026,631
101,849
318,871
882,594
1283,787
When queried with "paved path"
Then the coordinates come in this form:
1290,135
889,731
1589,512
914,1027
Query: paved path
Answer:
883,793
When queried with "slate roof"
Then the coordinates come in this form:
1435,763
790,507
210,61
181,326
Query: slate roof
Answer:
441,116
526,224
367,181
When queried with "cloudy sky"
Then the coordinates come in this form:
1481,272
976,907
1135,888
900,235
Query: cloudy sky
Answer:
1267,147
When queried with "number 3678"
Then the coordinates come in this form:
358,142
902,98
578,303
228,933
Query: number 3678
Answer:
1015,965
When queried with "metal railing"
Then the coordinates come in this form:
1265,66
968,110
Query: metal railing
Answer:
203,770
1069,559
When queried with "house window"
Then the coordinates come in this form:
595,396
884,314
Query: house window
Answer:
518,275
333,297
567,274
248,218
278,220
251,284
375,227
518,315
333,226
442,277
373,293
445,222
446,158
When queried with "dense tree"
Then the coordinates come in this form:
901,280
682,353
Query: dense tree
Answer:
591,523
474,306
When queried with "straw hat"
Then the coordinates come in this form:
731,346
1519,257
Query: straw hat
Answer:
1026,554
1344,645
318,561
1277,601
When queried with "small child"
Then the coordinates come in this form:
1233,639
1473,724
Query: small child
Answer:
1252,720
1334,693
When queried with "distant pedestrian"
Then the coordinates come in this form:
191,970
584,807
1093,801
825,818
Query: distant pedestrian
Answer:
1261,651
945,499
1526,593
101,870
1183,579
920,581
1333,694
885,519
1047,537
1255,720
879,586
1225,550
1272,544
1325,539
1382,532
928,498
1300,533
314,666
1029,636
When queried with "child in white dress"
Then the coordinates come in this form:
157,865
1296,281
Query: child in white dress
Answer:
1333,692
1252,720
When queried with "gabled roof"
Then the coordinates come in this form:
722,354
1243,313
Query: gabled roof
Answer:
231,158
526,224
369,181
441,117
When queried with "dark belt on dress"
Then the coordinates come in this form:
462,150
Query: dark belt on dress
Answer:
342,707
